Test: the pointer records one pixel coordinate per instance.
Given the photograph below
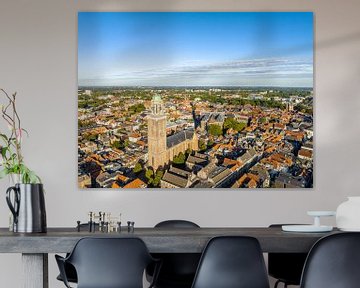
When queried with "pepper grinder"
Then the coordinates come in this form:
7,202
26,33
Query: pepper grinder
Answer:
90,221
78,226
130,226
100,221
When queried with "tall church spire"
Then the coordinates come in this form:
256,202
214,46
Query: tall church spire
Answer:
157,134
157,105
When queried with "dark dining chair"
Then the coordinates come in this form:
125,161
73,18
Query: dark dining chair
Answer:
178,269
232,262
108,263
286,267
70,271
333,262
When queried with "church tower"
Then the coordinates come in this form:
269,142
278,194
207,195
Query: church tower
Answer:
157,134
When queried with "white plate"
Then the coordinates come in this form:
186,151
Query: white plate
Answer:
306,228
350,229
321,213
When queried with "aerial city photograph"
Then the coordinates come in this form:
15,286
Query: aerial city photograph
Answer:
195,100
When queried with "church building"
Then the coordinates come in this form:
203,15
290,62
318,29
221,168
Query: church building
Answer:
162,149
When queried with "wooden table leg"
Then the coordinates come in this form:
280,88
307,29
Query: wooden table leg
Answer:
35,270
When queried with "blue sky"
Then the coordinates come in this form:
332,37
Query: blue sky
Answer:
195,48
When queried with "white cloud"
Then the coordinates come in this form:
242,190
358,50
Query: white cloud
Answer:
252,72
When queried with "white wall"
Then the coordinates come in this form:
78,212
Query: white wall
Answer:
38,59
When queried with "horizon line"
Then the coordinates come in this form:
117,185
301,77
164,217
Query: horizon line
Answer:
192,86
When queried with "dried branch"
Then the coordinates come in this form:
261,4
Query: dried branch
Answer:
12,159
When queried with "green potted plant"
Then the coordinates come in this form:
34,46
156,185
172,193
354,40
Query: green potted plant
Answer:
12,160
26,197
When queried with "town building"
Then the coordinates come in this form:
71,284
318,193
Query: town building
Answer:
285,180
135,184
84,181
162,148
213,118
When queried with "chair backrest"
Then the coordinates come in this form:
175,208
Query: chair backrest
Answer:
286,266
176,224
333,262
232,262
178,267
110,262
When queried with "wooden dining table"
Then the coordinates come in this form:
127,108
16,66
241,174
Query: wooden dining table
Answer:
36,246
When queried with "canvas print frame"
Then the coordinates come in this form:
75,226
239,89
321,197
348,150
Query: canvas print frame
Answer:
195,100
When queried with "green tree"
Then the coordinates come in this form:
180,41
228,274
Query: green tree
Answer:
118,144
83,105
228,123
303,108
149,174
137,108
159,173
157,179
179,159
138,168
202,145
262,120
239,126
234,124
215,130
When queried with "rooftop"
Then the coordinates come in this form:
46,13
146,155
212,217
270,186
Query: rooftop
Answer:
180,172
137,183
288,181
174,179
179,137
196,160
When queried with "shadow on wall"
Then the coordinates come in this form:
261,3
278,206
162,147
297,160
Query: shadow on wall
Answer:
329,43
353,37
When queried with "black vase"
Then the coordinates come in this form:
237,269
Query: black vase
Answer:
28,208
